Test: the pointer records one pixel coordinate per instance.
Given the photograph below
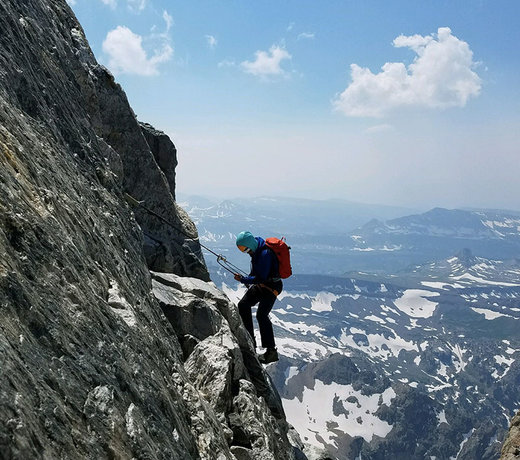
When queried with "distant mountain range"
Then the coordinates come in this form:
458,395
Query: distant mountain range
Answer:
285,215
336,237
423,364
399,338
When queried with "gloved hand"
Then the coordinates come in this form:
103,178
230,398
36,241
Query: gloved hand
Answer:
238,277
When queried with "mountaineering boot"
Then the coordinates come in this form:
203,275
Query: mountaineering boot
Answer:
270,356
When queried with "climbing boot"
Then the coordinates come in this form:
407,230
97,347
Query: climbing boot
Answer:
270,356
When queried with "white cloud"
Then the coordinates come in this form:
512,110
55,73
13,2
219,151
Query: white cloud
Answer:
267,63
133,5
415,42
379,129
127,55
111,3
71,2
136,5
168,20
227,63
305,35
211,40
440,76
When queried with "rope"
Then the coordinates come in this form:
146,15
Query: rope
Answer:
221,260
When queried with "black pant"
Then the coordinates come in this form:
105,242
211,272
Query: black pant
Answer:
265,300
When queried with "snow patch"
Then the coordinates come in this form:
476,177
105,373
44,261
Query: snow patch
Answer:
475,279
376,319
286,294
490,314
414,303
296,328
305,350
378,345
434,284
315,412
460,364
322,301
503,362
464,441
290,372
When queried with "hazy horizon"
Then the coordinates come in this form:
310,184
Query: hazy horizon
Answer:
403,103
217,199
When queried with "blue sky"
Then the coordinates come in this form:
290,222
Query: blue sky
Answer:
394,102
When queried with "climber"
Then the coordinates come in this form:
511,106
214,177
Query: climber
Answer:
264,286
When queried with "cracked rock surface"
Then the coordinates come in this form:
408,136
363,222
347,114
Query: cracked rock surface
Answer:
511,446
95,362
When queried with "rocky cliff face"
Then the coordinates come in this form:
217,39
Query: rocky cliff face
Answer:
511,446
90,366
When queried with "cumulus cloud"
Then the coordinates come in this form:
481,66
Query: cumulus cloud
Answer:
127,55
267,63
211,41
440,76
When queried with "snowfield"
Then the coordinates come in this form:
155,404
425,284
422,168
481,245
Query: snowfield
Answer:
314,413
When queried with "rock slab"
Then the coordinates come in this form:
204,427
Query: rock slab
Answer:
89,365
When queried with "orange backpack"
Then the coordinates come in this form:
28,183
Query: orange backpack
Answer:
282,252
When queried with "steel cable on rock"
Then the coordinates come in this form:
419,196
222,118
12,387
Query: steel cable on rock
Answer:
221,260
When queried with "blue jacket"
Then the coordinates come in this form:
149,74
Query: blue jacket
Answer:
264,265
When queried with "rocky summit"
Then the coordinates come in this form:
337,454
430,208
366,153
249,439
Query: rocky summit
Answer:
113,342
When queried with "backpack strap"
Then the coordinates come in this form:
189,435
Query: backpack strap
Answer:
274,274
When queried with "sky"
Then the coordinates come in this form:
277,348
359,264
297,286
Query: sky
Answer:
407,103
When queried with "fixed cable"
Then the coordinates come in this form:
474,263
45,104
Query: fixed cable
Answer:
221,260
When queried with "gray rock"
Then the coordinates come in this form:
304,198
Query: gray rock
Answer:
164,152
214,367
54,79
223,365
167,247
266,435
198,309
189,314
89,365
511,446
241,453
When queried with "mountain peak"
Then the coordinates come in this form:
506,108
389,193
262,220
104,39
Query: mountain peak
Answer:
466,257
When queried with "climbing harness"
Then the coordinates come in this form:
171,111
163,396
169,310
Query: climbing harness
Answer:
221,260
273,291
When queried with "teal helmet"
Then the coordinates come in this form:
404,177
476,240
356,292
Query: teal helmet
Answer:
247,240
